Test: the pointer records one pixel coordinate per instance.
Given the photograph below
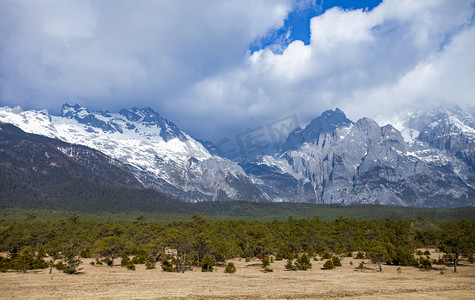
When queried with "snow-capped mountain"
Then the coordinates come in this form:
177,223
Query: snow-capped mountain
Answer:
158,153
442,135
40,172
35,169
335,160
425,159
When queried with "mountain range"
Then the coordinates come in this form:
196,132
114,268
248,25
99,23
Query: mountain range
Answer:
426,159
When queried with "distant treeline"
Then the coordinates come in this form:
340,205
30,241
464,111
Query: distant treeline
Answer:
174,210
392,242
90,197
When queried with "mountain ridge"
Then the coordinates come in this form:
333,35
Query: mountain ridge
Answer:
331,160
159,154
361,162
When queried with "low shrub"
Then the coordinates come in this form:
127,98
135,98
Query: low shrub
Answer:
336,261
230,268
328,265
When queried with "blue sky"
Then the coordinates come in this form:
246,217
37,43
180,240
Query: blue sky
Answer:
216,68
297,23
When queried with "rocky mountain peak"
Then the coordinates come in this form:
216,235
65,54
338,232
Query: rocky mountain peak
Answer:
149,117
327,122
73,111
332,160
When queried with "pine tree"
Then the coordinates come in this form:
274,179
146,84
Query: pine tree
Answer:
303,263
265,262
71,260
207,264
54,252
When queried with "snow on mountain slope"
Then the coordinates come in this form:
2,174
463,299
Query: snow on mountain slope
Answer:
156,150
442,135
334,160
411,123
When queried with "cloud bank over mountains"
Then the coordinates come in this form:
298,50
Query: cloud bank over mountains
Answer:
190,60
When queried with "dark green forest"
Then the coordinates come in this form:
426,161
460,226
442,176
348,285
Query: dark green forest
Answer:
235,210
33,243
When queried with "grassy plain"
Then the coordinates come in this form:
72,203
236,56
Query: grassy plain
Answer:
249,282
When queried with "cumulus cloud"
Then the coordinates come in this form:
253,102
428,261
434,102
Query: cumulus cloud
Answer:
112,53
368,63
190,59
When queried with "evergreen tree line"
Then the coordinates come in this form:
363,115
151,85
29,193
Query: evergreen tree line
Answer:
178,246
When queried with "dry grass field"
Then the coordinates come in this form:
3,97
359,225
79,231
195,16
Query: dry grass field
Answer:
249,282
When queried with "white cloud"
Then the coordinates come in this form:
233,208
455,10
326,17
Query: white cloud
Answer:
366,62
190,59
117,52
444,78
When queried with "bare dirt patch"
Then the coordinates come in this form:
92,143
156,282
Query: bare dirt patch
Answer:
249,282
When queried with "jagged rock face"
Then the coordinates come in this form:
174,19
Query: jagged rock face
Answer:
346,162
444,137
448,133
158,153
326,123
332,160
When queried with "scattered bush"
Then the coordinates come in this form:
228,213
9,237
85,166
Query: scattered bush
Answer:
425,263
265,262
328,265
360,266
290,266
124,261
230,268
139,259
336,261
25,259
402,257
60,266
360,255
166,264
268,270
150,262
130,265
107,261
303,263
